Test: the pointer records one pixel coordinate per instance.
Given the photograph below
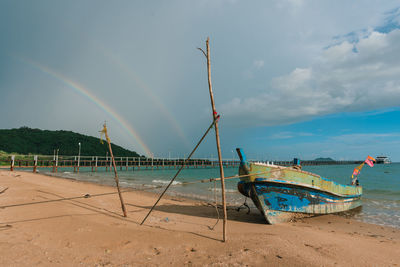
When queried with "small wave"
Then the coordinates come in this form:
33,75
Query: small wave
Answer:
165,182
226,190
380,219
67,172
375,202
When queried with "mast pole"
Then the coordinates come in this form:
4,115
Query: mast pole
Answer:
215,115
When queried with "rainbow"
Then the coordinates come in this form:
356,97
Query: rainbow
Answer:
94,99
149,92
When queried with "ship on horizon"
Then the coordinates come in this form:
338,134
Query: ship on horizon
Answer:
383,160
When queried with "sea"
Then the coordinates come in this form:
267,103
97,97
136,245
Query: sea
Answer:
381,185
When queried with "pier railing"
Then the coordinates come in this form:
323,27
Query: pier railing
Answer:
101,163
97,163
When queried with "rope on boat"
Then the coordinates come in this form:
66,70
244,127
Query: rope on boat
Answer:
61,199
216,118
216,205
127,190
208,180
244,205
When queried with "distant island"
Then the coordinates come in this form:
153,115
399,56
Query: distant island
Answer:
25,140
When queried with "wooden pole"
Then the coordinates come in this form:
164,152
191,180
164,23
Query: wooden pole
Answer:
57,161
106,164
12,163
215,114
79,157
115,170
35,159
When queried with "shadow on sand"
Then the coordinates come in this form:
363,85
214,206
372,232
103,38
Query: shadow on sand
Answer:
207,211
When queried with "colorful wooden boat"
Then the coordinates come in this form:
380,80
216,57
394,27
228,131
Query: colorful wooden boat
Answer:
284,193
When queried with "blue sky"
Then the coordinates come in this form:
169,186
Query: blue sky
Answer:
292,78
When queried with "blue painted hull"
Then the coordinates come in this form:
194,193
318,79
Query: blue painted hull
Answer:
283,193
281,202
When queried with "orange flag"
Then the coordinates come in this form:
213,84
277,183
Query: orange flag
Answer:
370,161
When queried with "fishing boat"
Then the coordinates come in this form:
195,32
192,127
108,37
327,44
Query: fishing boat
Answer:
285,193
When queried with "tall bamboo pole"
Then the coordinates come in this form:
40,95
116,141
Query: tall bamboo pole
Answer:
115,170
215,114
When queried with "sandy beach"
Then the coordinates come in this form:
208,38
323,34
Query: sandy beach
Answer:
46,221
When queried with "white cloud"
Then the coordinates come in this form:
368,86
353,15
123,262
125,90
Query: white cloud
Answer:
258,63
294,4
282,135
364,138
347,77
289,135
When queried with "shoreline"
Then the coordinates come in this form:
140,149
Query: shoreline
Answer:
356,214
91,231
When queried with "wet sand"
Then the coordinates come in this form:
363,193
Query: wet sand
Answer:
39,227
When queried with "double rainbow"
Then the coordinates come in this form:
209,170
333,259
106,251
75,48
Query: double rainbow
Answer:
80,89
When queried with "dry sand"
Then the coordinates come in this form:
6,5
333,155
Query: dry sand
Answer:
37,229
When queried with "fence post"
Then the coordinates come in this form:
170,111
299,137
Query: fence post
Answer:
57,162
96,164
35,159
79,162
126,163
12,163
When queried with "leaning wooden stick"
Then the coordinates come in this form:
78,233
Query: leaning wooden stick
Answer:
215,114
115,169
183,166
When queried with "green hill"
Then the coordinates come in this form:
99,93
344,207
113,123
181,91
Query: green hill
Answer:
43,142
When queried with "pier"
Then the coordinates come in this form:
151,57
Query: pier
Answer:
98,163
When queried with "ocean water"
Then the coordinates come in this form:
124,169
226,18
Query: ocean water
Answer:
381,185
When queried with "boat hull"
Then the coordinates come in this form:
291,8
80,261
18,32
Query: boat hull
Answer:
283,193
281,202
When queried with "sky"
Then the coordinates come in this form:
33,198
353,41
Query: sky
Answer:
291,78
